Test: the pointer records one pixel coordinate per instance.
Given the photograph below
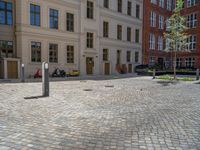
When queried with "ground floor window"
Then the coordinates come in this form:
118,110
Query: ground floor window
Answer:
35,51
136,57
189,62
53,53
6,49
179,62
105,54
128,56
151,60
70,54
118,56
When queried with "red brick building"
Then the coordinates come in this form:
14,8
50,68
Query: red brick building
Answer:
156,13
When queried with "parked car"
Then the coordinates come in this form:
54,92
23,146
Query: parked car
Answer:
73,73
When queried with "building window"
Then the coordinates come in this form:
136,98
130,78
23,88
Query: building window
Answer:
119,8
90,40
167,24
129,8
191,3
160,43
105,54
119,32
90,10
169,5
137,11
179,62
118,56
70,22
129,34
192,20
53,53
153,19
6,49
128,56
152,41
167,44
154,1
151,60
161,3
53,19
106,3
5,13
105,29
70,54
191,40
34,15
136,57
35,51
189,62
137,35
161,20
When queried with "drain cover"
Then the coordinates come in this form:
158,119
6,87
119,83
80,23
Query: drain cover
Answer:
87,90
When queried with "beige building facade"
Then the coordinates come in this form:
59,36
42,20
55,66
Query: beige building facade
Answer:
96,37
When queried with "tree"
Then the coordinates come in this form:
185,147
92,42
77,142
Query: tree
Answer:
176,36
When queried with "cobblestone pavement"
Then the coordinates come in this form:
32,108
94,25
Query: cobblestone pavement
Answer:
121,114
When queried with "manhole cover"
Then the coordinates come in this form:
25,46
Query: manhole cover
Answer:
109,86
87,90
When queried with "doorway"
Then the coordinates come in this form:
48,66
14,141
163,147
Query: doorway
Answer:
89,65
12,69
130,68
107,68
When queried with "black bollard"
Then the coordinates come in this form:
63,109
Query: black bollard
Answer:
45,79
22,73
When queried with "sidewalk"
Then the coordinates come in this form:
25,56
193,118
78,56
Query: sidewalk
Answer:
85,77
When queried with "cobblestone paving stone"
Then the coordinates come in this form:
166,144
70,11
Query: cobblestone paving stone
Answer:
136,113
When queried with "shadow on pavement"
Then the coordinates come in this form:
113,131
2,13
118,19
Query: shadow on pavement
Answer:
34,97
167,83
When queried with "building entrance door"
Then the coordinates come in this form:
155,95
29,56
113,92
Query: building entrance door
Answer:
12,69
161,62
107,68
89,65
129,68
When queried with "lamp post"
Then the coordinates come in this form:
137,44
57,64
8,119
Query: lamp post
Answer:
22,73
197,74
45,79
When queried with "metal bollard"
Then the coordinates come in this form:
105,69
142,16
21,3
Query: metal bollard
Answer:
22,73
45,79
197,74
154,73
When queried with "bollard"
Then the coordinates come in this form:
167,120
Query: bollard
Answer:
197,74
45,79
22,73
154,73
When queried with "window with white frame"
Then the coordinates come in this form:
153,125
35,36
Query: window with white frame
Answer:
167,24
161,3
167,44
179,62
191,40
169,5
160,43
151,60
161,20
192,20
151,41
191,3
189,62
153,19
154,1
